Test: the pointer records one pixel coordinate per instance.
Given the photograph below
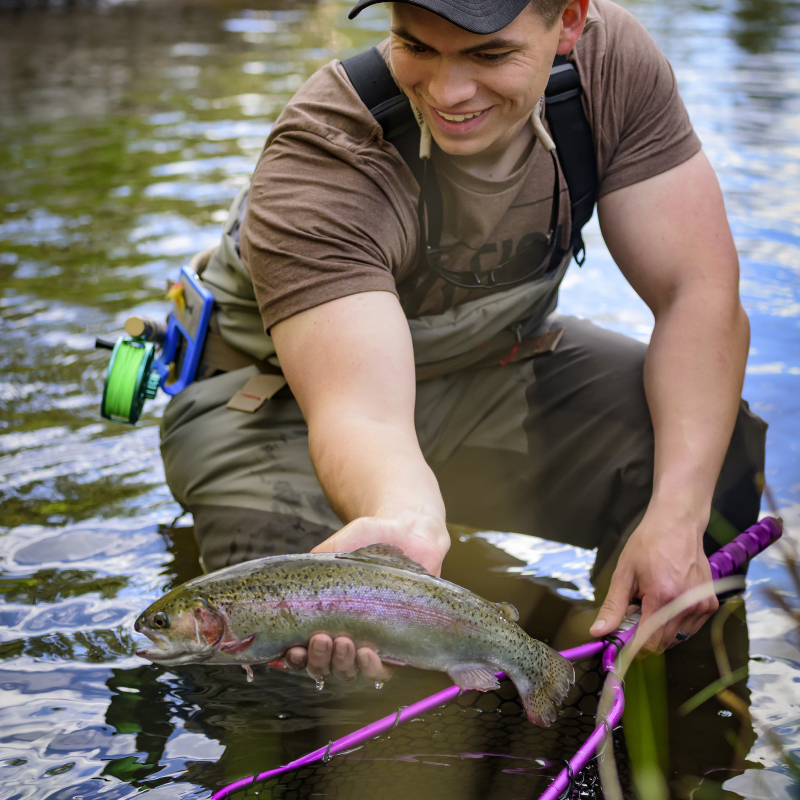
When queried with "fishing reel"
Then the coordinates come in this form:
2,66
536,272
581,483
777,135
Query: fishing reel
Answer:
137,370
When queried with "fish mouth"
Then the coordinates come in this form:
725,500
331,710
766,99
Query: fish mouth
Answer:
165,652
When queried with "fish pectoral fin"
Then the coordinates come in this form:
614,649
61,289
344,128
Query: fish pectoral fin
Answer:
237,645
395,662
473,676
508,611
386,555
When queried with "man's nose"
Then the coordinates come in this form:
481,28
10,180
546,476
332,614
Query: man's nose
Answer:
450,85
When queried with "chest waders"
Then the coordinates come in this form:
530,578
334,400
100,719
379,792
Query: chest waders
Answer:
489,330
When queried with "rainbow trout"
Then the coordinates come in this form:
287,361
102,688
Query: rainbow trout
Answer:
253,612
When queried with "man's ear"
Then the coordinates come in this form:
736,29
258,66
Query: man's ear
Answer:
572,23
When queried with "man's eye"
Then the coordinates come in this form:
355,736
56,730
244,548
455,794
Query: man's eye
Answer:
415,49
492,58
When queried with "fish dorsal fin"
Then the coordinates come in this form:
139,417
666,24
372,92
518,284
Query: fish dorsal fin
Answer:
386,555
508,611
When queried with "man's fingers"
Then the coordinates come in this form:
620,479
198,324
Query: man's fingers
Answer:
416,543
614,607
687,621
320,650
343,663
692,621
372,667
660,638
325,656
295,657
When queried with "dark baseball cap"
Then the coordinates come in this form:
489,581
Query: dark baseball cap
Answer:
475,16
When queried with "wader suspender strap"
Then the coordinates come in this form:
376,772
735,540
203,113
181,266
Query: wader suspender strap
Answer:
569,127
380,94
573,137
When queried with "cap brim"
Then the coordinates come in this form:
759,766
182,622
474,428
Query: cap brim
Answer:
475,16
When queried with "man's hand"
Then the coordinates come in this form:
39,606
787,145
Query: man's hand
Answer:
338,657
423,539
662,559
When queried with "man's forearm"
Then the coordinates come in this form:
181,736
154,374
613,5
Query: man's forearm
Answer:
370,468
378,482
693,379
350,363
671,238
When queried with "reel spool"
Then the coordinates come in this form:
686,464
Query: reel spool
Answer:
134,373
130,380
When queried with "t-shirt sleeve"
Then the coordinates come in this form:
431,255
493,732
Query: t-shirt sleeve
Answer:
640,123
328,214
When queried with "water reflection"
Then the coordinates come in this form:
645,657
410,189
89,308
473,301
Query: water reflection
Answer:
760,25
125,130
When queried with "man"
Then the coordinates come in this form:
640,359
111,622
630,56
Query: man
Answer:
595,444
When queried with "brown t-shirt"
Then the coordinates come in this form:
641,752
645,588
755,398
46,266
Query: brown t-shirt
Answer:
333,208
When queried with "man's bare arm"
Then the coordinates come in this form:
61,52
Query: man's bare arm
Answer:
671,238
350,364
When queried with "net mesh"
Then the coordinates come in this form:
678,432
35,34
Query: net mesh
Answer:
479,746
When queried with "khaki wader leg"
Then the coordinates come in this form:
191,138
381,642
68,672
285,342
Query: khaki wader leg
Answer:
246,478
579,470
569,455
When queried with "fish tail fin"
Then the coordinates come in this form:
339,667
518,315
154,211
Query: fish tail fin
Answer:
543,683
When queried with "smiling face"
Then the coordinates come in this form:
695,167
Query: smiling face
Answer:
476,92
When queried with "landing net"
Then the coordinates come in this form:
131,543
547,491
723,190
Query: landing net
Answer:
481,745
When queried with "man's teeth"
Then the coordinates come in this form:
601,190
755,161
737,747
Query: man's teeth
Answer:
458,117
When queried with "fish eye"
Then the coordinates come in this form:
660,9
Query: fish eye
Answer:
160,620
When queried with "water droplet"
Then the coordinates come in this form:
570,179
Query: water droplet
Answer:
379,684
320,683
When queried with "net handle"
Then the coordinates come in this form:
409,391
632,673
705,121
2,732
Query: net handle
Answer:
744,546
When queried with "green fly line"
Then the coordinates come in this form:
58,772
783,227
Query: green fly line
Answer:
123,384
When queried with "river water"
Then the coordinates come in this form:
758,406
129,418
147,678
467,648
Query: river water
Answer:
125,131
